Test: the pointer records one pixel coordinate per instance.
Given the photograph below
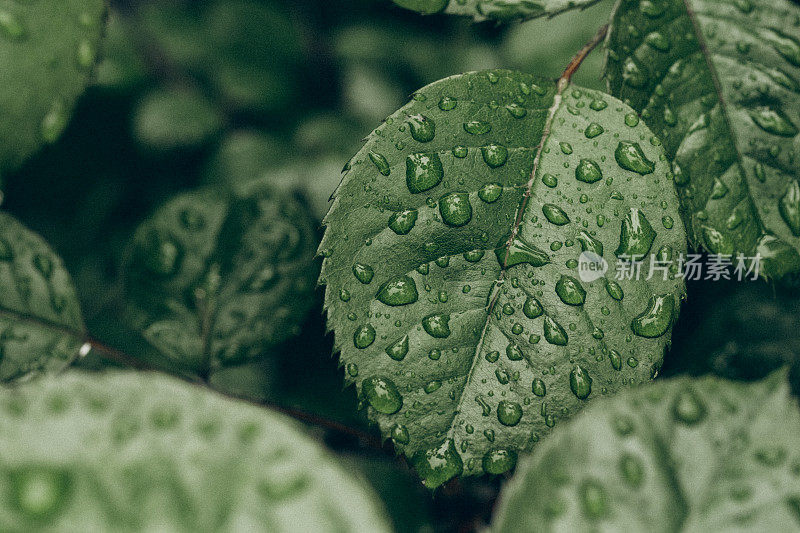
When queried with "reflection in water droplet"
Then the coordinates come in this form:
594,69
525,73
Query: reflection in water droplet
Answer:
629,155
656,319
580,382
423,172
399,291
555,214
509,413
364,336
439,464
402,222
455,209
498,461
363,273
423,129
490,192
399,349
588,171
380,163
437,326
570,291
554,333
382,395
495,155
636,236
532,308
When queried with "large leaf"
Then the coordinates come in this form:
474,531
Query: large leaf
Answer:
468,348
499,10
47,51
216,279
41,329
679,455
144,452
719,82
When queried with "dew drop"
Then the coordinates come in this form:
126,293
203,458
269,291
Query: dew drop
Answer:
570,291
423,172
402,222
774,121
554,333
364,336
629,156
437,326
593,130
455,209
439,464
399,349
636,236
688,408
532,308
509,413
580,382
498,461
588,171
495,155
399,291
555,214
423,129
380,163
656,319
363,273
382,395
490,192
477,127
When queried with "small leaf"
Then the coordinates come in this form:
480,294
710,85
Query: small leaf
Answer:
431,308
215,280
138,452
499,10
678,455
47,53
179,118
41,329
733,136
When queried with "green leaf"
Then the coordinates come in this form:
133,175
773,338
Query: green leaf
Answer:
464,346
47,52
143,452
216,279
678,455
168,119
718,82
41,329
498,10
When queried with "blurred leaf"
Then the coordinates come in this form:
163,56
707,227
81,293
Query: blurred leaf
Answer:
368,95
435,293
499,10
144,452
47,52
214,280
677,455
247,51
122,67
244,155
40,319
718,82
167,119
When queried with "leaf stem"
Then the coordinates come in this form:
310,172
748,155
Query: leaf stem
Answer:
576,61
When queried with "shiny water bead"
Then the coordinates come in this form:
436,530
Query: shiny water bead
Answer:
399,291
423,172
382,394
588,171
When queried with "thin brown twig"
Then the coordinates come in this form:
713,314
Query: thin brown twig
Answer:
576,61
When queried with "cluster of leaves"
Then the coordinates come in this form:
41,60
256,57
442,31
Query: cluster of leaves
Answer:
449,262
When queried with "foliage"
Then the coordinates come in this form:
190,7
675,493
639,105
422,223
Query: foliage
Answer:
447,297
134,452
733,138
680,455
183,193
48,52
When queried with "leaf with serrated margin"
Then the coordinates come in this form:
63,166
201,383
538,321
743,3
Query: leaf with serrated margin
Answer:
216,278
719,82
145,452
497,10
41,329
451,263
47,53
678,455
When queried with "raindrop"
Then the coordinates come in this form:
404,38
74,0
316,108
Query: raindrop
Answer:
519,252
437,326
555,214
636,236
490,192
380,163
593,130
498,461
774,121
656,319
570,291
382,395
588,171
423,129
402,222
455,208
509,413
538,387
423,172
554,333
580,382
629,156
688,408
399,349
477,127
399,291
532,308
495,155
363,273
364,336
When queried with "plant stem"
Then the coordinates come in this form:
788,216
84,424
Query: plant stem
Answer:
576,61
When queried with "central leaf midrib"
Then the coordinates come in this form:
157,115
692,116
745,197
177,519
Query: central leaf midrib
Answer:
561,85
705,52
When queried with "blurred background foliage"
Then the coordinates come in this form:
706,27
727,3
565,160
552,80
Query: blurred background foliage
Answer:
218,92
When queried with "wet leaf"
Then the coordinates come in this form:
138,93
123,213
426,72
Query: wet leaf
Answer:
498,10
47,53
41,329
678,455
216,279
447,321
719,83
138,452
